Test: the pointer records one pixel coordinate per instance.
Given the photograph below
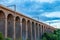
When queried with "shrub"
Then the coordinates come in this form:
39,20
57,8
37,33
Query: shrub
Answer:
27,38
1,36
20,38
44,38
8,39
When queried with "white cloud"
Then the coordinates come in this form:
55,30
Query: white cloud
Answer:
41,1
54,23
50,1
51,14
6,2
10,1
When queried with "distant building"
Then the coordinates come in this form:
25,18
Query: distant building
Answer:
16,25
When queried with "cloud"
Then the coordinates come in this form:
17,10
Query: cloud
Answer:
41,1
48,9
51,14
30,8
54,23
50,1
8,1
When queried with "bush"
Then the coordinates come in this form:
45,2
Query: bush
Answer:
1,36
20,38
44,38
52,36
8,39
27,38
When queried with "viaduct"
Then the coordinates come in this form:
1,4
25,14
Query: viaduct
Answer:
15,25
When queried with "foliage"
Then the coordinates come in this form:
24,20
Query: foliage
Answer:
1,36
8,38
27,38
52,36
20,38
44,38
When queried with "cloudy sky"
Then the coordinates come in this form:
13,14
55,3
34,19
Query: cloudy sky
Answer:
47,11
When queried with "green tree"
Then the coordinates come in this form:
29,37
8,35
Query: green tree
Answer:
20,38
8,38
27,38
44,38
50,36
1,36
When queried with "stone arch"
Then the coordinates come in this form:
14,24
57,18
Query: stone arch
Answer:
33,31
17,28
23,29
39,31
42,29
36,31
29,29
10,26
2,22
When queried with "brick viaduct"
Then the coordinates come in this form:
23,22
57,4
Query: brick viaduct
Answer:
16,25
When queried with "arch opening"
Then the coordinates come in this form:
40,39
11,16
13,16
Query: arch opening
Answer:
17,28
40,31
33,31
10,26
23,29
2,22
29,29
36,31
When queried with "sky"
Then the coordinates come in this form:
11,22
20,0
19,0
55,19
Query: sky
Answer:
46,11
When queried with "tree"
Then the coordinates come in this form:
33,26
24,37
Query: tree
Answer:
27,38
1,36
20,38
52,36
44,38
8,38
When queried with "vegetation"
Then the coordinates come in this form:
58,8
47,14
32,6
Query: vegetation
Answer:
46,36
8,39
20,38
2,38
52,36
27,38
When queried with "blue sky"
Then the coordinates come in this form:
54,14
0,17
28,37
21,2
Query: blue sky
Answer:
48,11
